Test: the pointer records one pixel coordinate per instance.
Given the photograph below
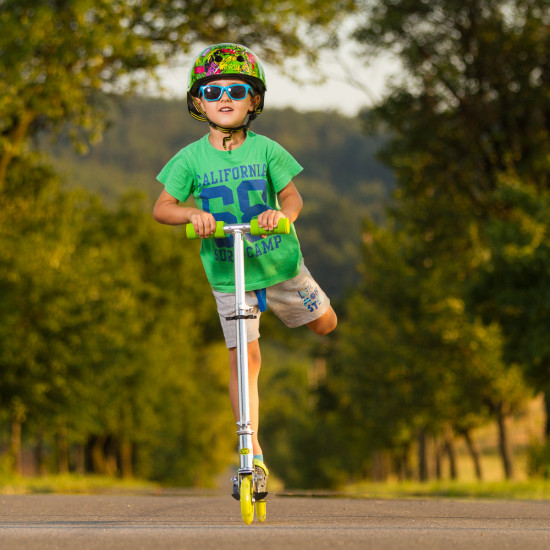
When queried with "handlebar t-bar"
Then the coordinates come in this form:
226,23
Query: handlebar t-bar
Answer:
223,229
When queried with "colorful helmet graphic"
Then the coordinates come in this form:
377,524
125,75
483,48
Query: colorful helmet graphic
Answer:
221,61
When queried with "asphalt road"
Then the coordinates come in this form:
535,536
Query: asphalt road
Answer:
180,521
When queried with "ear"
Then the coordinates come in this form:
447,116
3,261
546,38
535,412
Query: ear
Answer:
199,105
254,102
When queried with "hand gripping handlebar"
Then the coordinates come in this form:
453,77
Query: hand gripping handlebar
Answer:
223,229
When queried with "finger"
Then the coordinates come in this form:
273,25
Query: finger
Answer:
204,227
195,220
274,220
211,224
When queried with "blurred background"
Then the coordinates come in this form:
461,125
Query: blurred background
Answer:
423,129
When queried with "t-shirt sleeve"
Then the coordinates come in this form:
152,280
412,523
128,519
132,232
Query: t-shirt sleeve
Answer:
283,167
177,177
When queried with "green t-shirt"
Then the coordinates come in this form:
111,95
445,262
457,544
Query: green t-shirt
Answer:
235,187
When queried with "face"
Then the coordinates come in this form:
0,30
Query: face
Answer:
227,112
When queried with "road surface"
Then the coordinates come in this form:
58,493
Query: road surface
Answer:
182,521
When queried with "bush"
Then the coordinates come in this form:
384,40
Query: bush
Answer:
538,459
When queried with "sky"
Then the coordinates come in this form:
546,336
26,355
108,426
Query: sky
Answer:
335,93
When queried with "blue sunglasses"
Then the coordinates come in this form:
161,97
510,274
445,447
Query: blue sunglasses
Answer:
213,92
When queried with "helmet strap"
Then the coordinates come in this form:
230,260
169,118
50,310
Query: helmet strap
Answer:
230,131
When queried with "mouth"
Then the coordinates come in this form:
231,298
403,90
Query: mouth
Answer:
226,110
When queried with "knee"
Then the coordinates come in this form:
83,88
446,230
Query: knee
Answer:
325,324
329,325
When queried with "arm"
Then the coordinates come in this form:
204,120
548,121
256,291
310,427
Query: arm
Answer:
291,206
168,211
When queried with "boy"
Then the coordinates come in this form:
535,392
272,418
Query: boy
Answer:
235,175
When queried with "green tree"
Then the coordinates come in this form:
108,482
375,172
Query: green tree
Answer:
39,297
87,304
469,113
511,285
412,363
106,341
164,387
55,56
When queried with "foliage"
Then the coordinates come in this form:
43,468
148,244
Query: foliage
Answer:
437,336
90,313
92,300
57,55
410,359
511,286
459,130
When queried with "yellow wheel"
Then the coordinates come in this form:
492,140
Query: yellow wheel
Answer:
247,506
261,510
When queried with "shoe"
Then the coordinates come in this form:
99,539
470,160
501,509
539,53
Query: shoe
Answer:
261,473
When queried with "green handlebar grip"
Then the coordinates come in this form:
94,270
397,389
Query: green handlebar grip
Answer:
283,228
218,234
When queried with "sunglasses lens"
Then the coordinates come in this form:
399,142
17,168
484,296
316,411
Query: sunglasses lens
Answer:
238,91
212,93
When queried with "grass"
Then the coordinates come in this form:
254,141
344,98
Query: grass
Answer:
76,484
72,484
519,490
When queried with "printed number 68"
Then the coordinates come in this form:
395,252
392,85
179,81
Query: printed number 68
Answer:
247,210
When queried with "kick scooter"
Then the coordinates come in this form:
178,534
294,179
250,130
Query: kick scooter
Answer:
244,482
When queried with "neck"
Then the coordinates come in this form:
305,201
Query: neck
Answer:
216,139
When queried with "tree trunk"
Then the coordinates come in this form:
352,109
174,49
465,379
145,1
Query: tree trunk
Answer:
504,444
473,448
17,418
62,450
97,454
438,452
126,459
15,446
381,466
80,460
547,410
39,454
450,450
402,465
112,453
423,473
15,140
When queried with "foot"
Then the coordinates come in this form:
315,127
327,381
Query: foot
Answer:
261,473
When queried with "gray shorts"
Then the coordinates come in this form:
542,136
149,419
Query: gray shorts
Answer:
295,302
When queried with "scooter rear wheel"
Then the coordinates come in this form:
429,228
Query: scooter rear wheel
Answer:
247,505
261,510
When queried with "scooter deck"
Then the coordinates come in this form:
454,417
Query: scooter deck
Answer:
257,496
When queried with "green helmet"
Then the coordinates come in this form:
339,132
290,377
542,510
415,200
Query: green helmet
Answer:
221,61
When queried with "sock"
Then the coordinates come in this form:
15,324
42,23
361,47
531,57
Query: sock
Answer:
259,457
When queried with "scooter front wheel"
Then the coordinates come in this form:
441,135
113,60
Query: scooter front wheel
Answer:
247,505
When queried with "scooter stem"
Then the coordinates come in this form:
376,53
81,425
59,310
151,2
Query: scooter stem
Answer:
244,432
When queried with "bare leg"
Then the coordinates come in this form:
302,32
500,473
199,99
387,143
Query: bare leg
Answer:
325,324
254,364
